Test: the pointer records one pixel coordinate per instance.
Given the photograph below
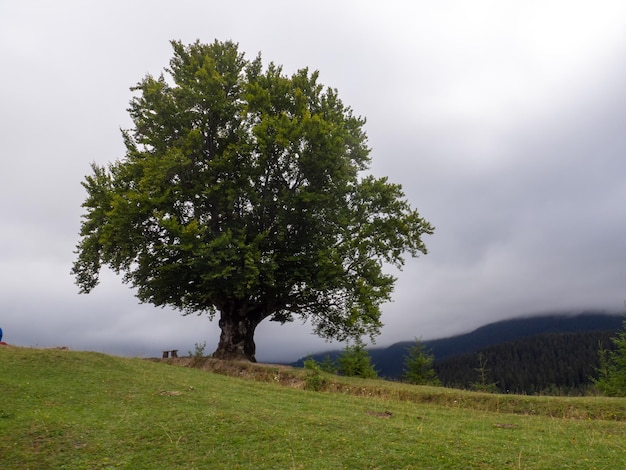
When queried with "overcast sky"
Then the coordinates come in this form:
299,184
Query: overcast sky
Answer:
505,122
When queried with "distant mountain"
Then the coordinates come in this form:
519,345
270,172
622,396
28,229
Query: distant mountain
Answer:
390,361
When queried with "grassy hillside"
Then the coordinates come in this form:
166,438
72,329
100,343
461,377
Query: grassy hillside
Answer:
64,409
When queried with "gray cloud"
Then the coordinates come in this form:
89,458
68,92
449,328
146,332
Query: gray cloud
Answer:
503,124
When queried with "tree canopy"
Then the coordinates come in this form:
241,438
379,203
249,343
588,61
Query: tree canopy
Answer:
244,191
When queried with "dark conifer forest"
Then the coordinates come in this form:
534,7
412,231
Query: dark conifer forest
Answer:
549,364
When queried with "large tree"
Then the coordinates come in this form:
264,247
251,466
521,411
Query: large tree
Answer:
243,192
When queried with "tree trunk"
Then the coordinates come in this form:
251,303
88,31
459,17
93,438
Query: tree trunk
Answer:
237,337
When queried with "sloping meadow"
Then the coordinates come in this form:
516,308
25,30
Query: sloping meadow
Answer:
65,409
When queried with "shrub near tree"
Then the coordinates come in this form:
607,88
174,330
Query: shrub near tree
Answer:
244,193
418,366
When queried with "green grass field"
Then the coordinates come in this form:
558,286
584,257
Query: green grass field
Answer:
77,410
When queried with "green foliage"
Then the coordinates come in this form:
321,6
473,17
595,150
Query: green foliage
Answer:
241,192
313,379
418,366
355,361
612,370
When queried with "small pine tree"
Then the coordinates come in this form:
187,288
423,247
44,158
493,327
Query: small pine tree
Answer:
612,370
328,365
483,384
355,361
418,366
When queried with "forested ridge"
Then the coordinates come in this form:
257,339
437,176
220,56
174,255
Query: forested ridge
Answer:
553,354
